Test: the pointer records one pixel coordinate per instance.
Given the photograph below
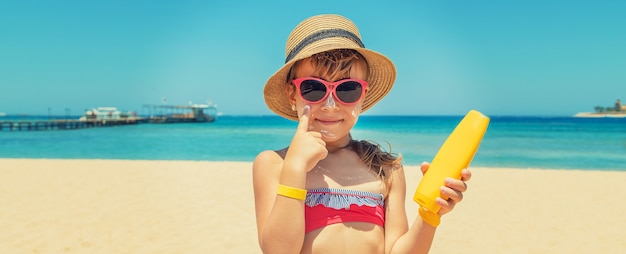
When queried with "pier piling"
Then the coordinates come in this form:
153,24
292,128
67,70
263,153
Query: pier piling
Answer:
41,125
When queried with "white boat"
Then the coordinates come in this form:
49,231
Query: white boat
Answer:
192,113
106,113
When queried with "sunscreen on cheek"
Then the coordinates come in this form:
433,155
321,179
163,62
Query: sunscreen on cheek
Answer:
354,113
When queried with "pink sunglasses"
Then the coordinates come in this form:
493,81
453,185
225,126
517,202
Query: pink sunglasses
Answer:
315,90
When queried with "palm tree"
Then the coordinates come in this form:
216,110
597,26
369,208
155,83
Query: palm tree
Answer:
599,109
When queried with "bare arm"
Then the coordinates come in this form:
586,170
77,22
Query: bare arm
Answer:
280,220
419,237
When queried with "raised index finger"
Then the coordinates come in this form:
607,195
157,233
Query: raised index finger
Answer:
303,122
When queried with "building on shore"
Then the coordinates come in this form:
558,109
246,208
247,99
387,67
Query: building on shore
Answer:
618,110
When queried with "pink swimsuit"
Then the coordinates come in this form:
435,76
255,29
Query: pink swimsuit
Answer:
326,206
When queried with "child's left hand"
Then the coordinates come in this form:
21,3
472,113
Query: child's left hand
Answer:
453,189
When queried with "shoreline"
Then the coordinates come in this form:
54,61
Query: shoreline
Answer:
250,161
601,115
145,206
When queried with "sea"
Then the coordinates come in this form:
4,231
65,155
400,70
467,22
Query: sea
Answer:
542,142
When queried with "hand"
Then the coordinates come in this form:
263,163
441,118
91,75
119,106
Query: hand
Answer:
306,147
451,191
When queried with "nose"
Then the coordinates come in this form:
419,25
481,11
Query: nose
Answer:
330,102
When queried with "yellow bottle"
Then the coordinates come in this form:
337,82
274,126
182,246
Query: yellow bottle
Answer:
455,154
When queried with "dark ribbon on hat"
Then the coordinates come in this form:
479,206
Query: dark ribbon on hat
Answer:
323,34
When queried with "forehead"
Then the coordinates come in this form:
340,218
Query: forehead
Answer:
305,68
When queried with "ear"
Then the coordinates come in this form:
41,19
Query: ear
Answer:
290,92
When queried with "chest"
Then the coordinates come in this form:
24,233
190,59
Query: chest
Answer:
346,172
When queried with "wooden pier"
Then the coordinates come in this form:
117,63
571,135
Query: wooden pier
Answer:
40,125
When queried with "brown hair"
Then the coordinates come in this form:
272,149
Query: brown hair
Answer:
337,64
334,64
377,158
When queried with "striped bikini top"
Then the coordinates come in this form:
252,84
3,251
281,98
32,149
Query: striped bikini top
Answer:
326,206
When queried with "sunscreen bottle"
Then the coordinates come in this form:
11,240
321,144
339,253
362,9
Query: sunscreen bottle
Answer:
455,154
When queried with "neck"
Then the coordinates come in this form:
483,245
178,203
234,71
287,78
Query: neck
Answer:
338,145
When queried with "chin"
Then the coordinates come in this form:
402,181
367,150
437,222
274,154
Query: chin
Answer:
330,136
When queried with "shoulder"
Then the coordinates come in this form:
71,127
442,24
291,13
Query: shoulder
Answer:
395,175
391,168
266,158
270,157
267,163
265,155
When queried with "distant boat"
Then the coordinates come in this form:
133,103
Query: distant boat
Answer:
106,113
193,113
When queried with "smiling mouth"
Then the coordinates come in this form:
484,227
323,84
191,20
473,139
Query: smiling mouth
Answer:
328,122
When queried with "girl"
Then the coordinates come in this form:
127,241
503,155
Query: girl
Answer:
328,193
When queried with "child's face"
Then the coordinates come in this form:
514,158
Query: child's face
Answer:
331,117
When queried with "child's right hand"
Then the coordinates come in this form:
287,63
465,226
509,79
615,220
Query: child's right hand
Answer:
306,147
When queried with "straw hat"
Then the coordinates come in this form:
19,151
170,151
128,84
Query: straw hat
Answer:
322,33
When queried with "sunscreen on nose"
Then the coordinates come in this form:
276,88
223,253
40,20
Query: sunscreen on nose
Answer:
455,154
330,102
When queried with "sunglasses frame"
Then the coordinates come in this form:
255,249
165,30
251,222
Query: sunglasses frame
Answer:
331,88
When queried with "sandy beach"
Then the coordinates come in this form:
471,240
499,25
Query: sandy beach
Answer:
116,206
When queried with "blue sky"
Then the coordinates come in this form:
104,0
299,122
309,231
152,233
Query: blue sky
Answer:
499,57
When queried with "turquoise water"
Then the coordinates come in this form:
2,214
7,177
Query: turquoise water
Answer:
538,142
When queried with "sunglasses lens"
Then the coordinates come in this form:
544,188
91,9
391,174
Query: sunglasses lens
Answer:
349,91
312,90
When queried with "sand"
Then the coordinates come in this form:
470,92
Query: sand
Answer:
116,206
